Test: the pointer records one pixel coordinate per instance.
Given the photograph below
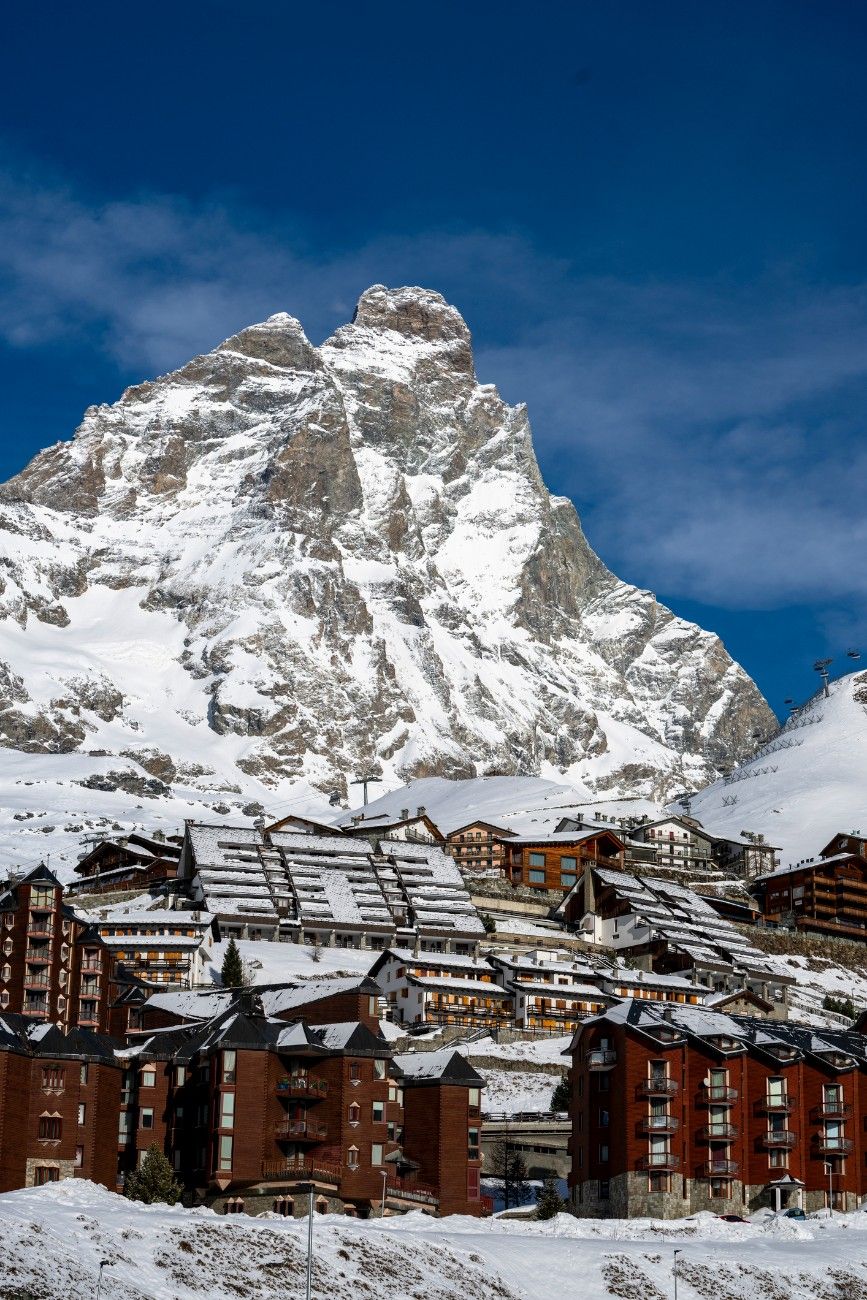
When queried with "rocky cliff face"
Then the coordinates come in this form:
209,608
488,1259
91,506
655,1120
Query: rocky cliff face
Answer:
284,563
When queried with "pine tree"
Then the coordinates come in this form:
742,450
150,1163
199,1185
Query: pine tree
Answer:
560,1095
548,1200
154,1180
232,973
508,1164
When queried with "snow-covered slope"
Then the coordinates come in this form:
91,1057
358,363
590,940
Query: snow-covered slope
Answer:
809,782
250,578
55,1237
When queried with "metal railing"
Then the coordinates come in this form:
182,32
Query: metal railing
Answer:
718,1094
659,1160
659,1124
301,1085
600,1059
833,1146
774,1139
302,1129
831,1110
718,1132
776,1104
658,1085
720,1168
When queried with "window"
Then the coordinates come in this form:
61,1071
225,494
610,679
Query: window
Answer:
568,864
603,1119
228,1067
149,1076
536,877
472,1144
604,1189
227,1110
82,1112
50,1128
79,1157
354,1114
85,1070
123,1126
225,1151
355,1072
352,1157
146,1118
568,879
376,1153
474,1101
46,1174
536,859
180,1076
473,1184
52,1077
379,1069
378,1112
234,1205
603,1153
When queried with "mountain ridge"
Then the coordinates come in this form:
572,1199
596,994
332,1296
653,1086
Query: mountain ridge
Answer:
334,558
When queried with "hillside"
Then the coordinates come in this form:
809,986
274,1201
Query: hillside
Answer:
54,1238
247,580
809,782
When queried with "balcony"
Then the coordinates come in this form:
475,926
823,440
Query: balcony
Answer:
41,955
299,1085
779,1139
300,1130
658,1124
40,929
718,1095
303,1167
718,1132
33,1007
782,1104
832,1146
658,1085
830,1110
40,981
659,1161
600,1059
720,1168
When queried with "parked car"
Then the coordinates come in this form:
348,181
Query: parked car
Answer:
794,1212
732,1218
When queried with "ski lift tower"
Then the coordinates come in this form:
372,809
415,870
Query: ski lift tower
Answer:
365,781
821,667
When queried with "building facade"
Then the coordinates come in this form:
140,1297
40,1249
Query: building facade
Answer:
555,862
826,895
478,846
680,1109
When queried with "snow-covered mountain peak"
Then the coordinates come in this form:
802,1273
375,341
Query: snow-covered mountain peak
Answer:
325,558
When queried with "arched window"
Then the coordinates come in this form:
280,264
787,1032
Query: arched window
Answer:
352,1157
354,1114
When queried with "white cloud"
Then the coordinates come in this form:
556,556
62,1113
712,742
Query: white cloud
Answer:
711,435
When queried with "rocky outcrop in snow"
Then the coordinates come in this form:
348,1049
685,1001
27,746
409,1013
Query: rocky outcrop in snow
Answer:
282,563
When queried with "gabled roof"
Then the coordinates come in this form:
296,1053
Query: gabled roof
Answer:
568,837
444,1066
489,826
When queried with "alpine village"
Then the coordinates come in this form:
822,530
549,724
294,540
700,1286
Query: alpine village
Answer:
688,1078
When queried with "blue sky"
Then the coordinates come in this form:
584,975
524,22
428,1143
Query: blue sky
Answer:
651,215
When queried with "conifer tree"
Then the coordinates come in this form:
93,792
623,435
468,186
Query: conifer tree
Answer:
560,1095
548,1200
507,1163
232,972
154,1180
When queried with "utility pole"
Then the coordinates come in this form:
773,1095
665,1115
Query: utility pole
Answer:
384,1174
821,667
365,781
674,1271
308,1188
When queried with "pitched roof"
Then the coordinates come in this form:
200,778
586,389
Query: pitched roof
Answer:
443,1066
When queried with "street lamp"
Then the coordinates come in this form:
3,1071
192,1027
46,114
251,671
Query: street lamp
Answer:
830,1168
674,1271
103,1263
308,1188
384,1176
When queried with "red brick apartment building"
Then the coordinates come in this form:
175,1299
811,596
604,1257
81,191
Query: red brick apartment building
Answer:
678,1109
53,965
247,1094
827,894
556,861
59,1104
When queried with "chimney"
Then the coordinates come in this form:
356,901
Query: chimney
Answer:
420,810
404,814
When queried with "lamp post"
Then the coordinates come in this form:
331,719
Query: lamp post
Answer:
674,1271
830,1188
103,1263
308,1188
384,1175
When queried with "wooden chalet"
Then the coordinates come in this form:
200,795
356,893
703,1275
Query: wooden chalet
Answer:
827,894
478,846
556,861
133,862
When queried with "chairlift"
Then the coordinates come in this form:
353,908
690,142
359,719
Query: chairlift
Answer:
852,653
